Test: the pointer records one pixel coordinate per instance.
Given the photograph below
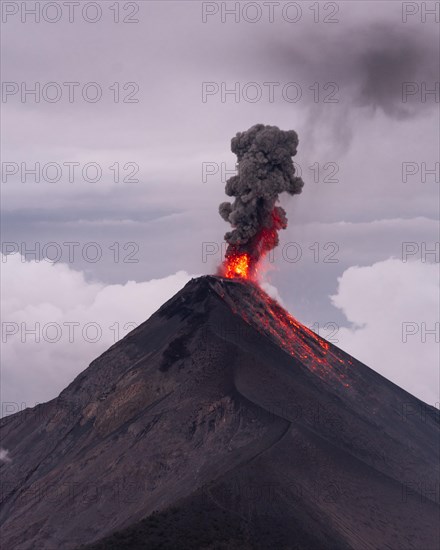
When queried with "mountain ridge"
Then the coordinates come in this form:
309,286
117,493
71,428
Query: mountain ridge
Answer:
197,396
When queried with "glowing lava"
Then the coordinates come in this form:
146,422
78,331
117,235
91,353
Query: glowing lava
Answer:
247,300
237,266
242,262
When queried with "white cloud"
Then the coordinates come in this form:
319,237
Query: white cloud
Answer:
391,306
50,298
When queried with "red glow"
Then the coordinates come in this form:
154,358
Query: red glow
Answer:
263,313
238,266
244,265
257,309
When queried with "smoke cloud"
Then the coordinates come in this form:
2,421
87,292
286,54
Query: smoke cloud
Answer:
371,66
265,170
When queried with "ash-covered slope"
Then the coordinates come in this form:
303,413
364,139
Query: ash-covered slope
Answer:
238,425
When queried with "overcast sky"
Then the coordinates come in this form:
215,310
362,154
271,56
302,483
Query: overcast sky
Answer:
157,90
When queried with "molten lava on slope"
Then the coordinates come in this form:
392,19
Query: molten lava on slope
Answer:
262,312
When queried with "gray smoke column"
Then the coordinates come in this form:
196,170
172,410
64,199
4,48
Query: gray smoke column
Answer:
265,170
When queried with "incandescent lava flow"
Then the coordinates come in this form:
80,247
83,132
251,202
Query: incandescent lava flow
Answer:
256,308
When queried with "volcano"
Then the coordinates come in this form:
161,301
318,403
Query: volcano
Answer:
222,422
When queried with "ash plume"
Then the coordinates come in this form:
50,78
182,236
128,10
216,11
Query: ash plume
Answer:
369,64
265,170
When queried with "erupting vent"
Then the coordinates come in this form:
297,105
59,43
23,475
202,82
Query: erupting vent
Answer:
265,170
237,265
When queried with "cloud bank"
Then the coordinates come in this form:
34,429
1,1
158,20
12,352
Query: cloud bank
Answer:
54,323
393,309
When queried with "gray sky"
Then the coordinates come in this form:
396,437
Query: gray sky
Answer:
352,78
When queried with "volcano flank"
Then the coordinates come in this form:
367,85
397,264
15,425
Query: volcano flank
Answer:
222,422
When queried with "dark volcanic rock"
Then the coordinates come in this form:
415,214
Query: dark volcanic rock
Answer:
221,422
